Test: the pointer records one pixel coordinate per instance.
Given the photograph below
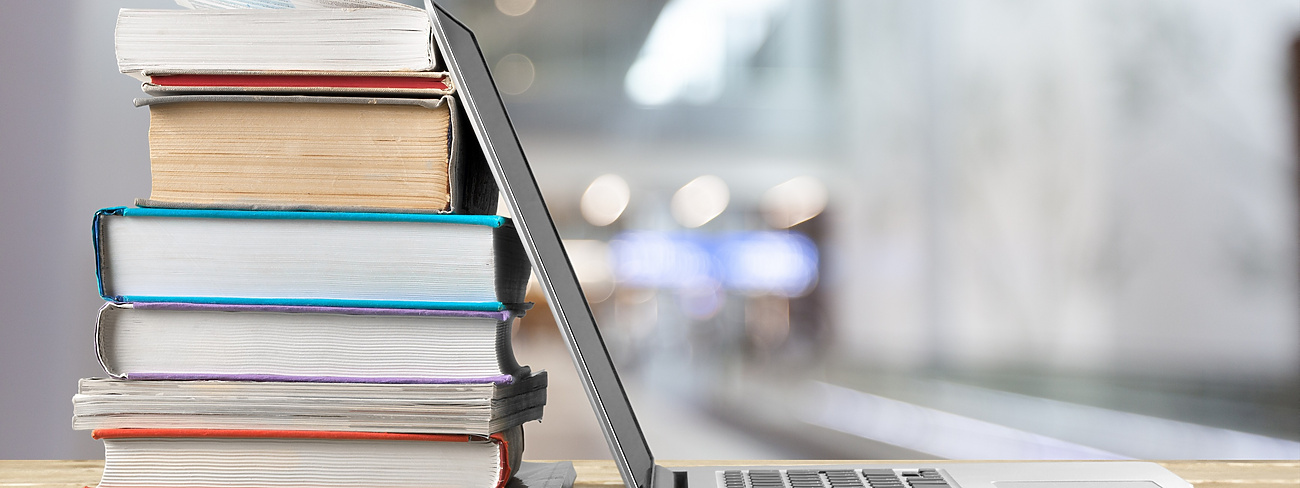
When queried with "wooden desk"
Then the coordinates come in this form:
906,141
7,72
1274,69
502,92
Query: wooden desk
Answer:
602,474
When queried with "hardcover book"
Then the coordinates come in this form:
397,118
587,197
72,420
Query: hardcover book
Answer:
372,260
150,340
202,458
313,153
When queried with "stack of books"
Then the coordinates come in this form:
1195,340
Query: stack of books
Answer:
317,292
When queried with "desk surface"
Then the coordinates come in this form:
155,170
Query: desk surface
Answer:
601,474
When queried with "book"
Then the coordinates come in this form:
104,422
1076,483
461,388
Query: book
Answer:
313,153
183,341
316,293
383,37
410,84
203,458
373,260
476,408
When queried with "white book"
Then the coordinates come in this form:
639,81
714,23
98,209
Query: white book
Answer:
202,458
183,341
427,261
382,37
475,409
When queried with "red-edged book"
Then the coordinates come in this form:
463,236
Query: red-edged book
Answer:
203,458
420,84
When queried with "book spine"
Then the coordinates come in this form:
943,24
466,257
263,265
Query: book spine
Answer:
97,234
101,348
473,183
509,454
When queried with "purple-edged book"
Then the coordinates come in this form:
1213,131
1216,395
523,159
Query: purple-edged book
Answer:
194,341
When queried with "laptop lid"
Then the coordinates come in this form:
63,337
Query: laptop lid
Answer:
500,145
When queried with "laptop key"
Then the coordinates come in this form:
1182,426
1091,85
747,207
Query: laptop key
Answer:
765,478
733,479
843,478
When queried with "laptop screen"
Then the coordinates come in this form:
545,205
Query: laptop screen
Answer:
500,146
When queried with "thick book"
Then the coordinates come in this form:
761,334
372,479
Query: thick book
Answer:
385,37
314,153
342,259
475,408
203,458
183,341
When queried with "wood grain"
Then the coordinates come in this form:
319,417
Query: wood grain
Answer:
602,474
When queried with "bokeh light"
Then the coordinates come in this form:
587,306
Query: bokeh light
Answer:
605,200
701,200
514,74
795,201
515,8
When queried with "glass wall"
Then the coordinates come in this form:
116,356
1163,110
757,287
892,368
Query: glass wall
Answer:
862,229
915,229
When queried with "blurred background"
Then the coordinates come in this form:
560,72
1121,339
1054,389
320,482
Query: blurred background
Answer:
856,229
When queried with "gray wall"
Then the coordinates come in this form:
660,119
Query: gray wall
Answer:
72,143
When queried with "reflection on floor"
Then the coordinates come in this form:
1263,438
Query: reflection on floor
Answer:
796,415
568,429
674,431
1005,425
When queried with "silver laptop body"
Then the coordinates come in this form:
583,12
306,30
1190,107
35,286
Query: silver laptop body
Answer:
502,151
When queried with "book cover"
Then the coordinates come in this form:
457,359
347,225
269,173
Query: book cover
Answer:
335,259
324,153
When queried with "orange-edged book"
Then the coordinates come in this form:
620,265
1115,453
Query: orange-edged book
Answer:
415,84
203,458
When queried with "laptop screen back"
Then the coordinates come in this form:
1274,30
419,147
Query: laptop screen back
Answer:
501,148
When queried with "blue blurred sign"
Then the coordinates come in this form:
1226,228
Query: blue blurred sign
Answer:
781,263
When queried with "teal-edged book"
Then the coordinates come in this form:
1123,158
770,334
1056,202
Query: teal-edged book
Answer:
340,259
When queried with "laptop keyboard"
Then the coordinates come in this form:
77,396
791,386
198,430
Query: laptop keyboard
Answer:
832,478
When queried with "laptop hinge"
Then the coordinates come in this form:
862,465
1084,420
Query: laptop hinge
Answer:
666,478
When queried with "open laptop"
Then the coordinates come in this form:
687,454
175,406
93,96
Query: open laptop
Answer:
502,151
